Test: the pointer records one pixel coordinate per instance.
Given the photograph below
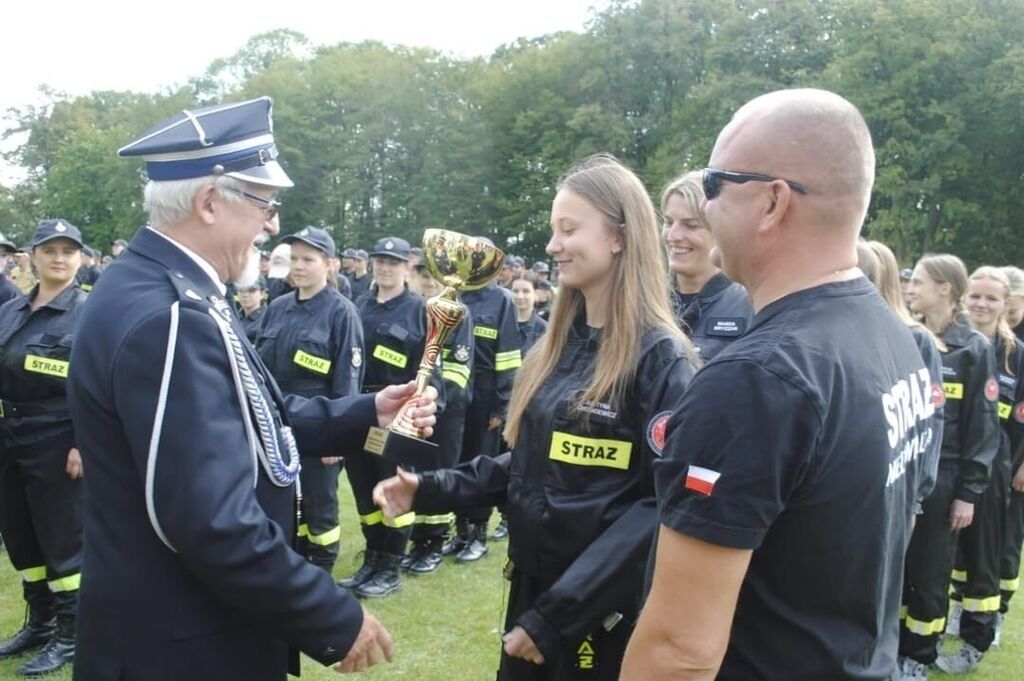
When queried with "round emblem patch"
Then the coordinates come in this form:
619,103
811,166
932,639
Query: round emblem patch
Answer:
60,228
304,232
1018,413
461,353
938,395
657,432
357,357
389,245
991,390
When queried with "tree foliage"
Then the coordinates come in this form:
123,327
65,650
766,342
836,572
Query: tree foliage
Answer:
392,140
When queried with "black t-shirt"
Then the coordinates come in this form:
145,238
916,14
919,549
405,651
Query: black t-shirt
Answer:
801,441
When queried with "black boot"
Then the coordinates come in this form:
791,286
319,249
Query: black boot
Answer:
386,580
40,622
415,553
477,546
429,558
455,544
501,531
364,573
60,649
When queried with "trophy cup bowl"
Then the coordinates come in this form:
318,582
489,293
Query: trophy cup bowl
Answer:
460,262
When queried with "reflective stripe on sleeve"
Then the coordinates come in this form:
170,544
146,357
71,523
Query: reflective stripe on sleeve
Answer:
456,373
936,626
505,361
34,574
69,583
990,604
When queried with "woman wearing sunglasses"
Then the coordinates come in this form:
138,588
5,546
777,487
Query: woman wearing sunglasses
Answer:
970,439
712,310
586,420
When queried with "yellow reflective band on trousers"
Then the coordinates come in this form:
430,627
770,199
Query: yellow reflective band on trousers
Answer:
34,574
443,519
990,604
485,332
959,575
329,537
389,356
936,626
954,391
1009,584
1005,410
456,373
378,518
46,365
589,451
312,362
69,583
506,361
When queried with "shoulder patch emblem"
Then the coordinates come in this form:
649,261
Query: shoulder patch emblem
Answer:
991,390
357,357
461,353
1018,413
938,395
657,432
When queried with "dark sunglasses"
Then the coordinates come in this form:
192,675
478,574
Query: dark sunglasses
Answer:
269,206
713,179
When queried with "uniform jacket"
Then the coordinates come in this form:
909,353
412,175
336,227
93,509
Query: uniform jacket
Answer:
1010,374
971,436
189,570
498,344
530,330
360,285
930,458
718,315
35,348
457,362
8,291
315,346
577,489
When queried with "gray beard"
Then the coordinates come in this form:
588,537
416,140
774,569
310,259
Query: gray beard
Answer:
251,274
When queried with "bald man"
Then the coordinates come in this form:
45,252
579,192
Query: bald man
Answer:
786,483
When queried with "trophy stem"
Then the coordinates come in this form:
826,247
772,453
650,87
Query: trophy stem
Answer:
444,313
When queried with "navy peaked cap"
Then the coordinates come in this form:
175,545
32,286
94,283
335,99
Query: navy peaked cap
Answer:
228,139
56,229
392,247
315,237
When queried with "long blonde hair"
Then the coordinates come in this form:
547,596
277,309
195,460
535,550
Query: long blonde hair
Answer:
1003,330
638,298
881,268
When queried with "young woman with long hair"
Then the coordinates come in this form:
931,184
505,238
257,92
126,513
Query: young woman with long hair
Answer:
969,442
586,419
524,294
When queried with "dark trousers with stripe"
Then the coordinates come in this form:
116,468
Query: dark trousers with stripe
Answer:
1009,566
981,547
41,516
477,438
364,472
319,532
595,657
929,562
448,433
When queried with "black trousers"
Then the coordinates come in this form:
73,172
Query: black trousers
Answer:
1009,565
364,472
595,657
448,433
477,438
929,562
981,547
319,532
41,513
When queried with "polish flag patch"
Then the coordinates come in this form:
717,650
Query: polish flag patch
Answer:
701,480
991,390
938,395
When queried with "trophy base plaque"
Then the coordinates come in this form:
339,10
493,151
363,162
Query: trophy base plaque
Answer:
411,453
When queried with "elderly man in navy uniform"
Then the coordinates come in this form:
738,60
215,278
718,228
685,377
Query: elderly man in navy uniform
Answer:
189,570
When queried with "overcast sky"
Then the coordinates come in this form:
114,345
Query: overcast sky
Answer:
78,47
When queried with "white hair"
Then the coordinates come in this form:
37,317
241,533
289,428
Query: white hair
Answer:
170,202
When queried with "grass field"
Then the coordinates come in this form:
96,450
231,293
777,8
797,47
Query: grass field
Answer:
446,625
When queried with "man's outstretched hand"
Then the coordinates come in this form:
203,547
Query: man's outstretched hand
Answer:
373,645
390,400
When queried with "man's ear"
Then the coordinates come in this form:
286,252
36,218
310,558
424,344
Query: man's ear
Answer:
204,204
777,200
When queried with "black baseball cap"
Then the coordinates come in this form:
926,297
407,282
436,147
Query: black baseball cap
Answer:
349,253
8,247
56,229
392,247
540,266
315,237
360,254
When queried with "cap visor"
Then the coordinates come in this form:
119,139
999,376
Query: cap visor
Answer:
389,254
291,238
57,236
268,175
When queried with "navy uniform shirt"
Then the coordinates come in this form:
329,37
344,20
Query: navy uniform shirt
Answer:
801,441
359,285
716,316
498,344
531,330
189,570
394,333
1010,374
8,291
313,346
35,349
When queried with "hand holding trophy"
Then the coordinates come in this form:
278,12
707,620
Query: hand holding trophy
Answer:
460,262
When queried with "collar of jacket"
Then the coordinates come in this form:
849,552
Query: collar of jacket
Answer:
310,305
62,301
390,302
159,249
958,332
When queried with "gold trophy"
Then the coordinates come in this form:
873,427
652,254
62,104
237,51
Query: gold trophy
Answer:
459,262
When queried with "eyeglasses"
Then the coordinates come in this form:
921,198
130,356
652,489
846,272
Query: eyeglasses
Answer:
712,180
269,206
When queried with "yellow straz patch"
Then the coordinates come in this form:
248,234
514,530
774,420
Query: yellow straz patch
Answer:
389,356
586,451
312,362
485,332
954,391
1005,410
45,365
